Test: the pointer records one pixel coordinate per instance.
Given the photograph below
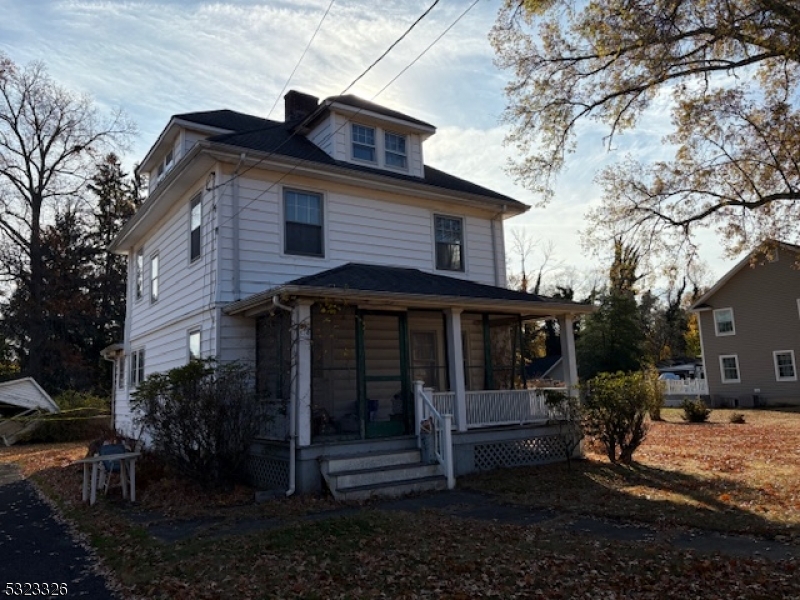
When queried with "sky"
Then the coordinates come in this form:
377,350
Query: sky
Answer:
156,58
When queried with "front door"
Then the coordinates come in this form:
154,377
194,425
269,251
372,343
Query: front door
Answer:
385,404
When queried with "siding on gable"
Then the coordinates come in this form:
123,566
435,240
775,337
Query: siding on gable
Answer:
322,135
764,302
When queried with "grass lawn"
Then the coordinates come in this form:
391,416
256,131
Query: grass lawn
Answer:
737,478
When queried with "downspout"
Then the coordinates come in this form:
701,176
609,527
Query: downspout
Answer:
498,280
292,416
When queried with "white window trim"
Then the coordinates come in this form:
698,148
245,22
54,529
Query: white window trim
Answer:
384,151
138,274
121,374
189,334
282,223
722,369
155,256
464,264
775,364
197,259
733,322
377,135
136,361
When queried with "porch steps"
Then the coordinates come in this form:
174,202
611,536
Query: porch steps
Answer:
373,475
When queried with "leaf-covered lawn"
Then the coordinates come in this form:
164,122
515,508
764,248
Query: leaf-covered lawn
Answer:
727,477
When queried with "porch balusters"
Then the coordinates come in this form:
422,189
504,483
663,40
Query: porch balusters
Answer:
440,430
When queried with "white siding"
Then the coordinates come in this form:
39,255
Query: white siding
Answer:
322,135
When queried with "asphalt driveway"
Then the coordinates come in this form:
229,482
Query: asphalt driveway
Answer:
37,548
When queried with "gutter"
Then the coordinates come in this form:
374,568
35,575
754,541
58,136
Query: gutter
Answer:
292,413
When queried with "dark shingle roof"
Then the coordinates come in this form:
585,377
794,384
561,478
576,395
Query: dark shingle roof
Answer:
264,135
360,103
398,280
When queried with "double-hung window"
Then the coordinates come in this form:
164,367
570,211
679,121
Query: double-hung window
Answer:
137,367
121,371
363,142
195,221
729,368
449,243
154,267
784,365
395,150
138,274
303,223
723,321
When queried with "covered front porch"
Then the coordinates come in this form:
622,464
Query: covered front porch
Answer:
349,370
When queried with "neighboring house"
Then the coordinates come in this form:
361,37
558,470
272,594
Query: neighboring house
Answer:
323,251
750,331
22,403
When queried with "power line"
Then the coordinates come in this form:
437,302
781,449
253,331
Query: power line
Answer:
302,56
349,119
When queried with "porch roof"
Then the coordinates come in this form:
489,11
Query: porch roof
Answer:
406,287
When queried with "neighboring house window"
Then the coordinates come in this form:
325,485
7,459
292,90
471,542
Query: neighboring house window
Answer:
154,266
395,146
139,274
363,142
729,368
784,365
137,367
723,321
121,371
449,243
195,220
194,345
303,227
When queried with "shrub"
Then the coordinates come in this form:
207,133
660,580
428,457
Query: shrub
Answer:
82,417
568,414
695,411
201,417
737,418
616,408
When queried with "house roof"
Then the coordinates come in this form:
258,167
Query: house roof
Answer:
409,285
366,105
278,138
702,302
26,393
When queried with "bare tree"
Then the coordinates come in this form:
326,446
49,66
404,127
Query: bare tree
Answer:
50,142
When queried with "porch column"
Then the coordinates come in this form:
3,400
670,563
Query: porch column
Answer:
568,361
455,354
301,369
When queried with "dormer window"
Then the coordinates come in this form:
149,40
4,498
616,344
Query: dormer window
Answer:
165,165
395,147
363,142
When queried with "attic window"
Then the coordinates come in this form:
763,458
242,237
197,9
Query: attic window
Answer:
395,145
363,142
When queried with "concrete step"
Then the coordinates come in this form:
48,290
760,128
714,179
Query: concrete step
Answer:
373,460
401,472
392,490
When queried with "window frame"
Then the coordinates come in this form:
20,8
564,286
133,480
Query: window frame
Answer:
387,152
120,365
356,142
778,376
195,230
190,334
155,272
723,379
286,223
719,311
136,372
462,243
138,274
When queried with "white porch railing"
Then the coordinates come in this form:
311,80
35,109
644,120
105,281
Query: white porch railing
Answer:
491,408
688,387
431,422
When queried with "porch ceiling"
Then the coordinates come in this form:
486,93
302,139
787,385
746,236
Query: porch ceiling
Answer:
398,288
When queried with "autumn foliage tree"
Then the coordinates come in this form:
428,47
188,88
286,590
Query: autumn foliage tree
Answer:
729,71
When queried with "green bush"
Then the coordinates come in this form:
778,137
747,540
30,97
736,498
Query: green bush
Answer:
616,409
567,412
695,411
201,418
82,417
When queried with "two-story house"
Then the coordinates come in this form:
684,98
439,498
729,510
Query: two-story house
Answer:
324,252
750,330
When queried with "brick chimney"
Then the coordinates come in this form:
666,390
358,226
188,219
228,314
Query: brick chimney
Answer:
298,106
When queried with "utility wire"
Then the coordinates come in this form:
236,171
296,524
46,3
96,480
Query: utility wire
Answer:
302,56
303,160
